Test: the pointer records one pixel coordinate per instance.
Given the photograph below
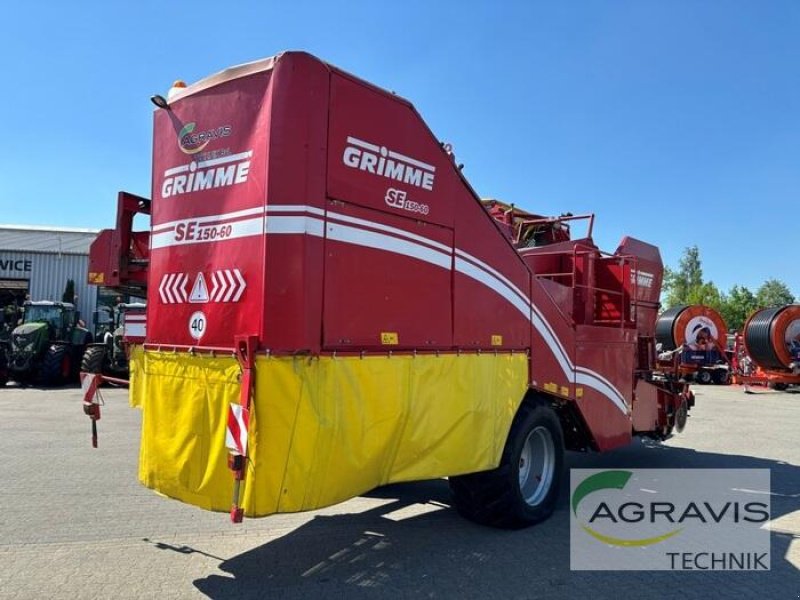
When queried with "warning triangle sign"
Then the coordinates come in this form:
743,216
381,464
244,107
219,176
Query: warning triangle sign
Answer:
199,290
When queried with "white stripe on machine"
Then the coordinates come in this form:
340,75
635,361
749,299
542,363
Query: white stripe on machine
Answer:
370,234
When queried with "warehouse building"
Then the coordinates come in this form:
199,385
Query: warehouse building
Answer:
37,262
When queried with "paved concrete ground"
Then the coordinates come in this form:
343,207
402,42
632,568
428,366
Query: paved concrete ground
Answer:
74,522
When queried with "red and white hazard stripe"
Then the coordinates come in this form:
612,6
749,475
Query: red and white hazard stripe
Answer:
89,384
236,434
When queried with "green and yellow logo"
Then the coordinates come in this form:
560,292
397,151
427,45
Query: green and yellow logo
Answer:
611,480
192,142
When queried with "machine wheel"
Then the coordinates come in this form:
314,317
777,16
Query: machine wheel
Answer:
93,359
681,415
722,377
3,380
780,387
704,377
57,366
524,488
24,377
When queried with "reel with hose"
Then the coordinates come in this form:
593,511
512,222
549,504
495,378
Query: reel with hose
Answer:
772,337
697,326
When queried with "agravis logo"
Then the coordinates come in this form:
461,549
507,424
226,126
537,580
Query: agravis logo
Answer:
191,143
669,519
613,480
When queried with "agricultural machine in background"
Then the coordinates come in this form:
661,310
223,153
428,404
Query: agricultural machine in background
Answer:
118,260
122,326
692,343
47,347
332,308
119,257
767,352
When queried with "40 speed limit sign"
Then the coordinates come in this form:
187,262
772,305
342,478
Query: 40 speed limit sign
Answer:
197,324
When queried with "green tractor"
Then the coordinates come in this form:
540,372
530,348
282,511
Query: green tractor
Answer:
110,356
47,347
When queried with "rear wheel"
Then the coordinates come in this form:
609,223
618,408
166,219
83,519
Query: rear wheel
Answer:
704,377
778,386
93,359
681,416
722,377
57,366
523,490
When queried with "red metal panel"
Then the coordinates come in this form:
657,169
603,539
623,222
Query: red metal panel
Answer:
553,341
613,297
645,407
605,362
563,296
209,167
102,261
298,130
386,274
492,284
645,281
382,156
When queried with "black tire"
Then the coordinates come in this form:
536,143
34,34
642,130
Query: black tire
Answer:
780,387
57,366
24,377
722,377
3,380
703,377
94,359
497,498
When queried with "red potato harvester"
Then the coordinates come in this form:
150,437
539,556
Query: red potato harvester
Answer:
332,308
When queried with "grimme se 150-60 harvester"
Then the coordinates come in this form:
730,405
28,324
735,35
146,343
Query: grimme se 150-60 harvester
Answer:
332,308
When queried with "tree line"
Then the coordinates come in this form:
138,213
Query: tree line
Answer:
685,285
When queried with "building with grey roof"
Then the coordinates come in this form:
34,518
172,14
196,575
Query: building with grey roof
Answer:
38,261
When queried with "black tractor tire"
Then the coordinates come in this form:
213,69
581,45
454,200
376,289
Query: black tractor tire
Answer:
24,377
3,380
498,498
722,377
703,377
780,387
56,366
94,359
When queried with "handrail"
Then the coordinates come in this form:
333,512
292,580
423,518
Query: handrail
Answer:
581,250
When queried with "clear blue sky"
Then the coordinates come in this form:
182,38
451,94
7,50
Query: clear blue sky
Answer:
677,122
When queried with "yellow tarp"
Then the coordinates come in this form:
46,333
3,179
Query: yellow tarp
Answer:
135,361
322,429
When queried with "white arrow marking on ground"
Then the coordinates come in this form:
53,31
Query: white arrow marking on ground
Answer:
766,493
